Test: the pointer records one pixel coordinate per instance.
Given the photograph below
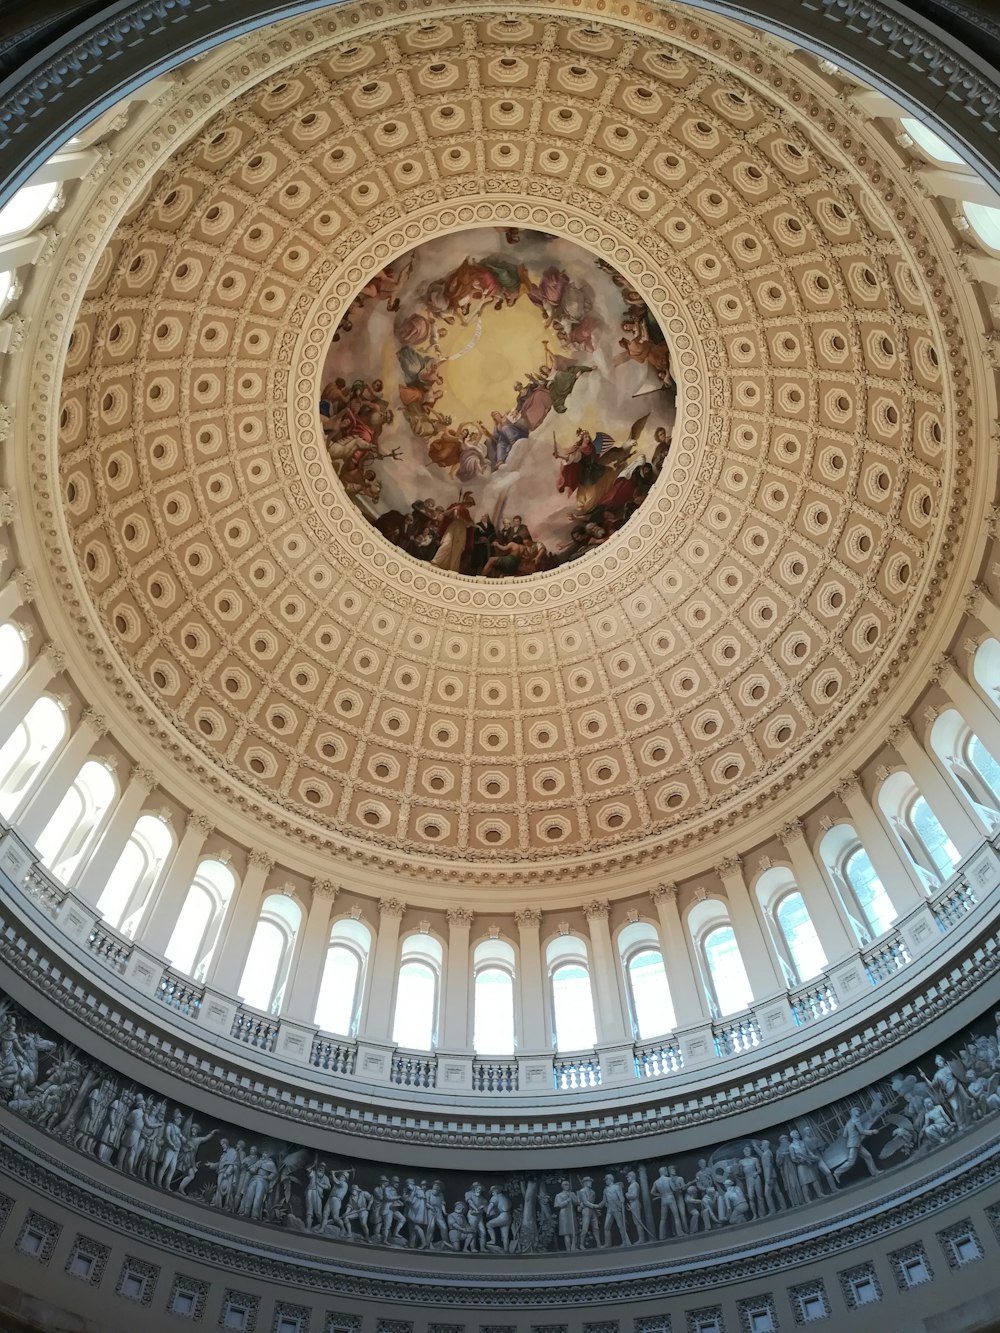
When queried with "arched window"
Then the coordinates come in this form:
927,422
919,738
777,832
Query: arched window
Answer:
570,995
868,906
795,940
27,751
129,885
26,209
270,958
418,990
984,220
723,974
650,1005
74,827
13,656
986,671
196,931
974,770
917,829
339,1002
493,998
932,144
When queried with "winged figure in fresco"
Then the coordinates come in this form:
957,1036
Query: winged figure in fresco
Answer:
597,471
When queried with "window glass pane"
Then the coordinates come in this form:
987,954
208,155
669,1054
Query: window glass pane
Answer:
986,766
927,826
25,754
869,891
654,1011
188,933
416,1001
494,1012
800,936
985,222
261,970
725,965
573,1008
26,208
931,143
338,990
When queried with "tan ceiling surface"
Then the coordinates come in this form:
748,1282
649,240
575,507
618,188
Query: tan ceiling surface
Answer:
757,606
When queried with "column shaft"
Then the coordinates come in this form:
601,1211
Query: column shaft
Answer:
168,897
957,821
25,691
456,1033
225,971
890,865
59,777
303,990
376,1022
612,1025
824,913
533,1035
91,876
762,971
686,990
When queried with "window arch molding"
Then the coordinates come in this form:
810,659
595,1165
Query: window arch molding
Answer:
969,766
718,956
77,821
418,991
143,860
495,999
271,957
848,867
346,977
571,1011
986,671
916,829
28,751
644,980
196,931
793,934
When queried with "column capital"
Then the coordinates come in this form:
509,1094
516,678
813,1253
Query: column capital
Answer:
900,730
325,888
974,597
528,918
391,907
849,785
54,655
261,859
729,865
96,721
943,666
459,918
143,777
196,823
666,891
597,910
792,828
25,584
8,504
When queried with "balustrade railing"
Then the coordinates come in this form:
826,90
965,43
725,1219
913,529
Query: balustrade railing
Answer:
334,1055
112,949
410,1070
885,958
733,1036
576,1072
658,1058
813,1002
494,1075
254,1029
953,905
180,994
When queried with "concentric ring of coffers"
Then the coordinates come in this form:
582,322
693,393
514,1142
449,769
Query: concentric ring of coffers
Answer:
740,619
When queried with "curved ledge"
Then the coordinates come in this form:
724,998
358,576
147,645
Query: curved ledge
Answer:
756,1061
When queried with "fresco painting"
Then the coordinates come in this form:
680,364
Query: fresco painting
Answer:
498,402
